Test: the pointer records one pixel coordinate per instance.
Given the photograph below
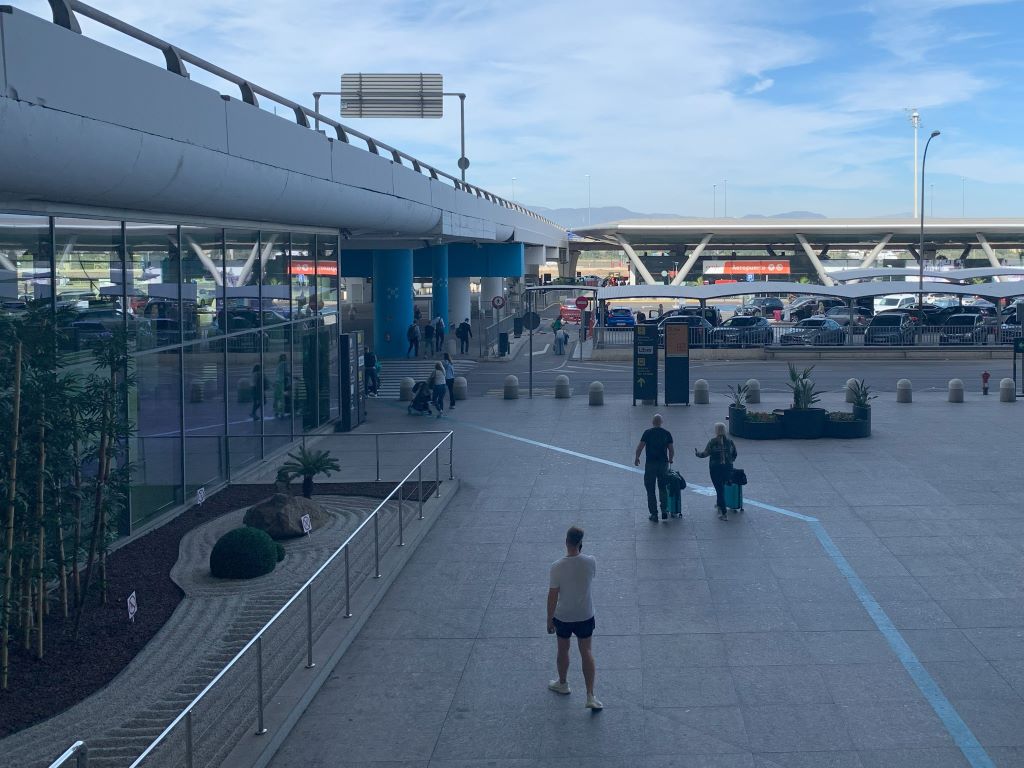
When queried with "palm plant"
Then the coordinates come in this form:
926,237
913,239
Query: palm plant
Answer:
861,394
739,395
802,385
307,464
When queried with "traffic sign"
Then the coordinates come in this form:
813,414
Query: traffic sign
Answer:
582,302
498,302
750,277
200,496
531,321
307,524
1018,346
133,607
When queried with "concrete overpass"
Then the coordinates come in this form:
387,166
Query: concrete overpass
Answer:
689,238
90,131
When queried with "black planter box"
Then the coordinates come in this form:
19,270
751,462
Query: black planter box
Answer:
847,430
863,413
804,423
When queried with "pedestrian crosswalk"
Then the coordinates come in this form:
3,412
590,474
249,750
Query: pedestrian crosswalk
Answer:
393,371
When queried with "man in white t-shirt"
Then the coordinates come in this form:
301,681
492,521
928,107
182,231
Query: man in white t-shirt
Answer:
571,612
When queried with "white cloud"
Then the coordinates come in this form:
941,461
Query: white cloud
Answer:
761,85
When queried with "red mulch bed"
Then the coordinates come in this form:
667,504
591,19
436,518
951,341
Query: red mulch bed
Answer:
69,671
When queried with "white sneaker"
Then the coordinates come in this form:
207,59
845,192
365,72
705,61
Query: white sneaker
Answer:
593,703
558,687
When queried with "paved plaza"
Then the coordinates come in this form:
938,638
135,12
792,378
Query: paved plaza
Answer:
866,610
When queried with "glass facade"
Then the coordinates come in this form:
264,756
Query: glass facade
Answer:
232,335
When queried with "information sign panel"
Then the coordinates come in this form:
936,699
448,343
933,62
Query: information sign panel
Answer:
677,363
645,364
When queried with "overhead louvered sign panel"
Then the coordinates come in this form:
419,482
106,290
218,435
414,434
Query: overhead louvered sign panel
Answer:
379,95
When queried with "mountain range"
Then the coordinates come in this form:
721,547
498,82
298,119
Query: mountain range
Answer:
579,217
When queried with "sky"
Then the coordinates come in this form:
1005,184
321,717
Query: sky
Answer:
789,104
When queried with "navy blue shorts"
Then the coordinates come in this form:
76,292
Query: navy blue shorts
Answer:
582,629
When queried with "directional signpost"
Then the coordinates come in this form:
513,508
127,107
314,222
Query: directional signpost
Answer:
645,364
677,363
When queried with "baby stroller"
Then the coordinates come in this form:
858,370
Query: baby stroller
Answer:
420,399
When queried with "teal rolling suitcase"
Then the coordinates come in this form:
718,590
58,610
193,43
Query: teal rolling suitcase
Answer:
734,497
674,485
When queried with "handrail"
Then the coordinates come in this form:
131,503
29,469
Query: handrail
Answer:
448,436
79,750
63,13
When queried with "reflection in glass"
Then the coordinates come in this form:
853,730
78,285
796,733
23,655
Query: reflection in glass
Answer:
152,288
24,262
154,405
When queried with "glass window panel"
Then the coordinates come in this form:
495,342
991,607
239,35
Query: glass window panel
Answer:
202,276
250,384
25,274
303,274
155,408
241,281
327,274
277,362
276,278
153,271
204,392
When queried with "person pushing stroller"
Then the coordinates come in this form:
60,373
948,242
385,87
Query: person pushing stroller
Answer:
420,399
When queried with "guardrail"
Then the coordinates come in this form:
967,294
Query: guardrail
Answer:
79,751
233,701
63,13
784,336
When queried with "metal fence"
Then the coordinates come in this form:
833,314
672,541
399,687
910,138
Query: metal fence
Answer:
233,702
786,335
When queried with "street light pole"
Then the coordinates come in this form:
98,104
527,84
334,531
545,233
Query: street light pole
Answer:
725,198
915,120
588,200
920,255
514,190
714,201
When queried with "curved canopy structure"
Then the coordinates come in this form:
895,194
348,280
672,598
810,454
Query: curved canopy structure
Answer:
849,292
957,275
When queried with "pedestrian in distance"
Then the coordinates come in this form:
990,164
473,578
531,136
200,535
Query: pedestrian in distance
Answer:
259,385
282,388
416,312
428,340
438,387
439,331
721,453
449,379
464,333
571,612
412,333
559,346
370,372
657,441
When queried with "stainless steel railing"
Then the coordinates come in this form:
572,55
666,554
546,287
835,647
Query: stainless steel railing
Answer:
234,700
63,12
79,751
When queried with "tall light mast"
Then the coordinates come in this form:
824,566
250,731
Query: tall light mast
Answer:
915,120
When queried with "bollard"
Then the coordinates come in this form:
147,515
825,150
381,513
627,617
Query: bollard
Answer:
956,391
904,391
596,393
1007,391
701,392
460,388
511,388
405,389
850,384
753,391
985,376
562,387
244,391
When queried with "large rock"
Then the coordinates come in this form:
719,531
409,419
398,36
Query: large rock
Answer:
281,515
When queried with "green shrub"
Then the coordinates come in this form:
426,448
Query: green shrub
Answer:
243,553
762,417
280,551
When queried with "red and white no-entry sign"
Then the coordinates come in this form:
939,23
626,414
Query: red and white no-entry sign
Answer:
582,302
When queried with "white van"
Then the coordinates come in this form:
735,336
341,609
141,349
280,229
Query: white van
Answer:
894,301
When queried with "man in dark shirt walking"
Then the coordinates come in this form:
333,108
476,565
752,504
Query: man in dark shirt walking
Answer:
660,453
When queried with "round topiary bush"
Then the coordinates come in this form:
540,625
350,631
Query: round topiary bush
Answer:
280,551
243,553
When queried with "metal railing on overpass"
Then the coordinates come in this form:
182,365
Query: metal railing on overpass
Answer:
63,12
233,702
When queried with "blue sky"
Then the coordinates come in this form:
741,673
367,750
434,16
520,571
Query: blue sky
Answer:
798,104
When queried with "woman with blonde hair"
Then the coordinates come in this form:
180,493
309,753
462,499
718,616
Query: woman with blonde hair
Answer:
721,452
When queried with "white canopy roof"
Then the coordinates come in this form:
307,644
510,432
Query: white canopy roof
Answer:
947,274
847,291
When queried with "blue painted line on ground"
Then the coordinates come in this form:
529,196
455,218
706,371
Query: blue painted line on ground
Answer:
960,732
955,725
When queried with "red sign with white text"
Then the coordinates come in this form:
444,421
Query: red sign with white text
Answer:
776,267
323,268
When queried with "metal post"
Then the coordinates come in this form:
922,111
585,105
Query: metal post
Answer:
260,730
437,472
401,521
530,311
462,132
188,739
82,759
376,547
316,108
420,489
348,589
309,627
451,453
376,453
920,255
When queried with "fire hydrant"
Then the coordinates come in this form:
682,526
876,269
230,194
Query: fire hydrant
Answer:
985,376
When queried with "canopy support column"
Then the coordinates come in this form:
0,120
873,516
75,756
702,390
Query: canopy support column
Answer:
815,261
991,255
870,258
635,260
691,260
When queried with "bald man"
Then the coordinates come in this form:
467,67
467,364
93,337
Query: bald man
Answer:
660,452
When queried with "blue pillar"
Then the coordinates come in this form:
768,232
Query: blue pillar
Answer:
392,301
439,279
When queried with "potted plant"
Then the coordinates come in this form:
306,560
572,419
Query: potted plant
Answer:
802,421
738,406
308,464
862,397
758,425
846,426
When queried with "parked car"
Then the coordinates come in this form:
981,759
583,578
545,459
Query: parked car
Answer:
861,317
929,315
760,305
83,334
801,309
964,329
700,329
742,331
815,331
889,328
1009,329
712,314
894,301
987,311
619,317
569,312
